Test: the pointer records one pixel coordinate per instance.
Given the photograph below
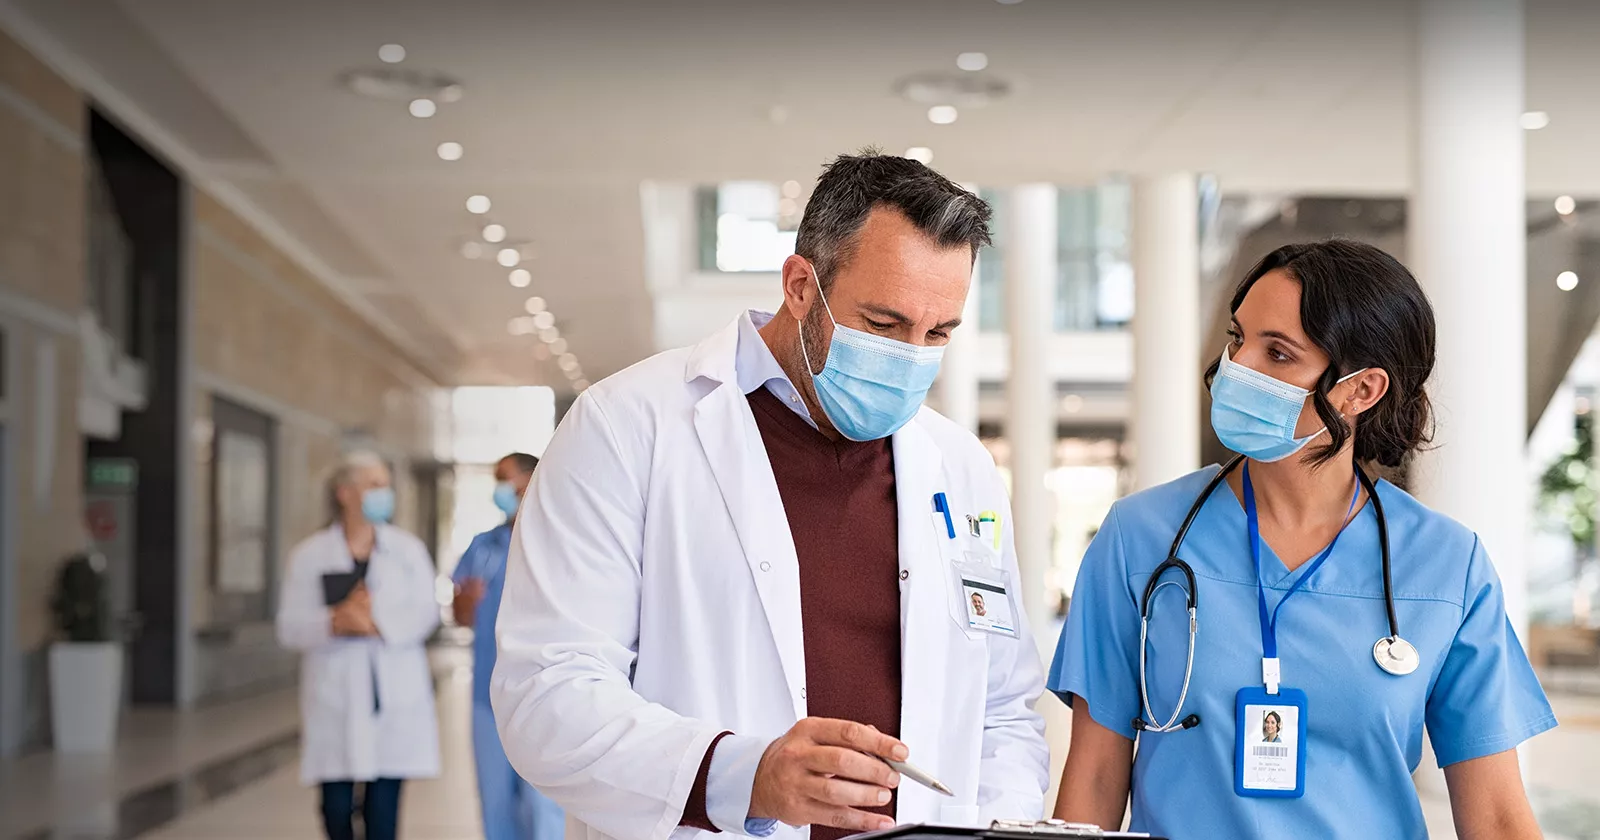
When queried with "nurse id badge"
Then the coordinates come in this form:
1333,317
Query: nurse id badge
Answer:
1270,743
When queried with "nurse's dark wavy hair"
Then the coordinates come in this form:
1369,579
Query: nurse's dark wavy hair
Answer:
1365,310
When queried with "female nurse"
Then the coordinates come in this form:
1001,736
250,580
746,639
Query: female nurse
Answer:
1331,345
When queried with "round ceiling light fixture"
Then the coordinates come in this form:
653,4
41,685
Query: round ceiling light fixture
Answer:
451,151
972,62
1566,205
521,278
1535,120
534,305
422,108
478,204
494,233
920,154
397,84
942,114
391,53
508,257
1566,281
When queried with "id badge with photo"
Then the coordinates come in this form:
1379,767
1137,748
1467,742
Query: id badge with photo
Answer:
985,593
1270,743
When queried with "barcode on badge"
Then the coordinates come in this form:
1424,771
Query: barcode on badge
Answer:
1270,752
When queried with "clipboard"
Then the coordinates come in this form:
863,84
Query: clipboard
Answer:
1003,830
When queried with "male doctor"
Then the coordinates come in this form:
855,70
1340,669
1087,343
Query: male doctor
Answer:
736,580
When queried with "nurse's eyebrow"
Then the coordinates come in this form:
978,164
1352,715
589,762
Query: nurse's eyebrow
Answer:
1281,337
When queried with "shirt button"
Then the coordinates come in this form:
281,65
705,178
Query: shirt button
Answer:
905,574
765,566
802,692
794,398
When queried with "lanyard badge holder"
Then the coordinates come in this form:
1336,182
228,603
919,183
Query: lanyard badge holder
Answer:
1270,720
979,581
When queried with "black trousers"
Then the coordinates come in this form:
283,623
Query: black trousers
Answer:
380,809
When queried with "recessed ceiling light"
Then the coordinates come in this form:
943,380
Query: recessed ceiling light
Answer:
544,320
920,154
1072,403
1008,2
478,204
541,352
972,61
942,114
423,108
391,53
787,207
534,305
1566,281
521,325
1566,205
450,151
549,334
494,233
558,346
521,278
472,250
1535,120
791,189
567,361
508,257
574,373
581,385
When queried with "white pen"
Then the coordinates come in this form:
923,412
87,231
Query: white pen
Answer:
915,775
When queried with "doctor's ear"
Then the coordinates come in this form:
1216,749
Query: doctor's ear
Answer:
800,288
1362,391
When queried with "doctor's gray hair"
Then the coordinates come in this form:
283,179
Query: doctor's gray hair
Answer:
345,473
853,185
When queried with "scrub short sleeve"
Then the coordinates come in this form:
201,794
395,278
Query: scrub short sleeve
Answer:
1097,658
1486,699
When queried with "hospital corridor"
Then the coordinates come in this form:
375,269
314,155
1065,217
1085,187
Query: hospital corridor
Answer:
799,419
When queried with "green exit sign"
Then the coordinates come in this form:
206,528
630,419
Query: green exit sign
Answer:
113,474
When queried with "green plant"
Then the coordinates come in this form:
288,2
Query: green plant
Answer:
1569,490
81,604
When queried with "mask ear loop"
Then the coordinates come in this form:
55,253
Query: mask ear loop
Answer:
815,278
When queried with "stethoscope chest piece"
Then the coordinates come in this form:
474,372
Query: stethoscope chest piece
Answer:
1396,655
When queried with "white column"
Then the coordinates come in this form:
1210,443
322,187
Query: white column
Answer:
1468,248
1468,239
1030,424
1167,357
958,373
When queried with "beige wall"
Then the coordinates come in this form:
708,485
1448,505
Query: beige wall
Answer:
42,287
270,337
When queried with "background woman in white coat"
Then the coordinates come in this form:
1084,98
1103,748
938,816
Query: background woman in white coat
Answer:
358,602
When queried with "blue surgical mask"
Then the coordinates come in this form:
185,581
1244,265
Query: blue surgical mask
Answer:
377,504
870,386
1255,415
505,498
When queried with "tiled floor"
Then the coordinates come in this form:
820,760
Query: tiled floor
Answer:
236,777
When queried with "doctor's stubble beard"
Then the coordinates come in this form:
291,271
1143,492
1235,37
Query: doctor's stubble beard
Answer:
816,349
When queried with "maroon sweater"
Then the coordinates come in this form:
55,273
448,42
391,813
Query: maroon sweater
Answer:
839,497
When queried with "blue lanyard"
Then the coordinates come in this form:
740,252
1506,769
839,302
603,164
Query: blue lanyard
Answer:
1269,621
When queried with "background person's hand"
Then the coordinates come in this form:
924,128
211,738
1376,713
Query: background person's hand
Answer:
465,606
353,615
818,774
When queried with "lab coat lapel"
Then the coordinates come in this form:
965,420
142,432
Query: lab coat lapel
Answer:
924,614
738,460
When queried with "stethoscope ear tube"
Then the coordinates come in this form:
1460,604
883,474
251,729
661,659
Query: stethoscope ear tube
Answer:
1383,547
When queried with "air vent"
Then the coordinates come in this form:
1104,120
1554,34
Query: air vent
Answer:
961,89
402,85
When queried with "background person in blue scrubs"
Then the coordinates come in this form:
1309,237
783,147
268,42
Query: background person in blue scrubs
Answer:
1348,324
512,809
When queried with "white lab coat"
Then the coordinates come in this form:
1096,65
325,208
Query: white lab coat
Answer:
342,738
653,600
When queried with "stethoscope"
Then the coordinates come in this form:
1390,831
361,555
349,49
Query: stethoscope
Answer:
1393,653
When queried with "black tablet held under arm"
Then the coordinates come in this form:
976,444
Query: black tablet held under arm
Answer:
336,586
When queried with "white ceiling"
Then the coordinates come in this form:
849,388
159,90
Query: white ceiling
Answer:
569,106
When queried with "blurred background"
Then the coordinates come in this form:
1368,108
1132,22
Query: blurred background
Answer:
239,239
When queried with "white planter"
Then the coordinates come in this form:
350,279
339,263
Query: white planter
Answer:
85,695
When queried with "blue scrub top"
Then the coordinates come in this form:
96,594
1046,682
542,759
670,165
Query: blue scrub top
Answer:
1475,691
485,560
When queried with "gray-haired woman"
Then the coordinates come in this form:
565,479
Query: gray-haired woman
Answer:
358,602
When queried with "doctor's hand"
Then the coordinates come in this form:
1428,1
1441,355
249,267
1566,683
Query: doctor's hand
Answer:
821,771
353,615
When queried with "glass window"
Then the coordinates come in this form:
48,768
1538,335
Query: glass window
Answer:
747,226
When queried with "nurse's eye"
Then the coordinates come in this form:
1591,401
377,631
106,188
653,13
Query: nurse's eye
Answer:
1235,337
1277,355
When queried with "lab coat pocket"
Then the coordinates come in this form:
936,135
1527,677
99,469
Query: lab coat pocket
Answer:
959,815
